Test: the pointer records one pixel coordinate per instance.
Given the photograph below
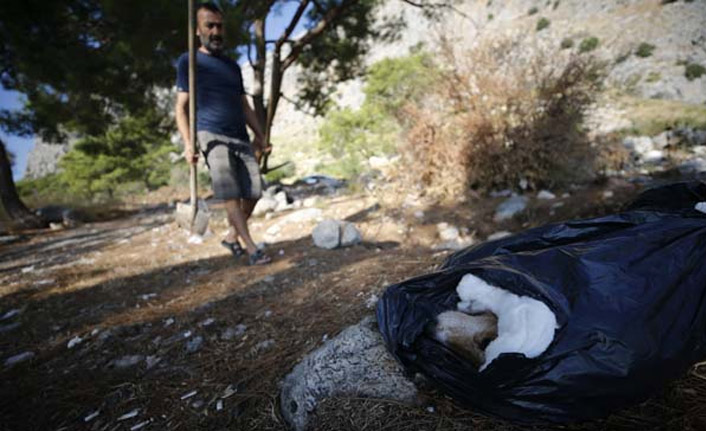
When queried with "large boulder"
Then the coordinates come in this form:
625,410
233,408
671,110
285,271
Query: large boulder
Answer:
353,364
330,234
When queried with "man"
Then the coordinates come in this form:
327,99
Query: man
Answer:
222,112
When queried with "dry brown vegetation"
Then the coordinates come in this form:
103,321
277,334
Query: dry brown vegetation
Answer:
501,115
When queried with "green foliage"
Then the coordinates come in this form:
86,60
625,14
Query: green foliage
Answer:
490,17
588,44
542,24
50,189
533,10
556,4
567,43
694,71
135,150
82,63
393,82
286,171
644,50
337,55
351,137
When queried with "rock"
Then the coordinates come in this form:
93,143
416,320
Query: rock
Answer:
14,360
310,202
284,202
127,361
498,235
639,145
56,226
653,156
608,194
208,322
350,235
74,342
419,214
448,232
377,162
303,215
264,205
546,195
151,361
662,140
327,234
234,332
694,166
510,207
11,313
523,184
264,345
454,244
701,206
353,364
194,344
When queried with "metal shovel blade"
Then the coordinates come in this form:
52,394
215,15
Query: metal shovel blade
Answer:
184,216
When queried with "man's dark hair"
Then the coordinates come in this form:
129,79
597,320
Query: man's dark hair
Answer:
209,6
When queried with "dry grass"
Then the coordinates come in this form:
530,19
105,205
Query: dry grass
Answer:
652,116
500,115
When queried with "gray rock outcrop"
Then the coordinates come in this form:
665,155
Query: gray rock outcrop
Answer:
353,364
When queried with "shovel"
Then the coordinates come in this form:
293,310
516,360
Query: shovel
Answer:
195,215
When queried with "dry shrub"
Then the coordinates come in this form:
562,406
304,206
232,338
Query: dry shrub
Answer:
502,113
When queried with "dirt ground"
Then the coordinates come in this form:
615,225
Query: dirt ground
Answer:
132,327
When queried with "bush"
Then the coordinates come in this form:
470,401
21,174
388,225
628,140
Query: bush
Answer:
134,150
567,43
542,24
490,17
498,118
644,50
350,137
694,71
588,44
533,10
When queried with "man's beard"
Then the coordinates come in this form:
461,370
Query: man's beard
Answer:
214,44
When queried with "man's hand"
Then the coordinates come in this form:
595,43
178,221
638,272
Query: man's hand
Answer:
191,158
259,147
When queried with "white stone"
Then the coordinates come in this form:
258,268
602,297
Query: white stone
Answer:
701,206
546,195
265,205
510,207
608,194
653,156
74,342
327,234
13,360
498,235
350,235
448,232
639,145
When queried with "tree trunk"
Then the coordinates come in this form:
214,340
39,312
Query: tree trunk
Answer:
15,209
259,70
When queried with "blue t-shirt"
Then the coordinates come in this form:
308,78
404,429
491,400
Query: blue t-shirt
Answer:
219,90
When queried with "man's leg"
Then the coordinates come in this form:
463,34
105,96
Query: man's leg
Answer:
247,205
238,223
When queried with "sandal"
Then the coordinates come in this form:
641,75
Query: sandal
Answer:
234,247
259,258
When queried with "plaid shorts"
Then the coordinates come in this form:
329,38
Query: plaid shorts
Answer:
235,173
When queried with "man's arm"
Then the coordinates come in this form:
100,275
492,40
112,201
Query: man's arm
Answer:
182,120
259,144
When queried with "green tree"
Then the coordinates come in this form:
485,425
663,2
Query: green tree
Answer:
134,150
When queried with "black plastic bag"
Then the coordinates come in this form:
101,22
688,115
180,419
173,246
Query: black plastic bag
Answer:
628,291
